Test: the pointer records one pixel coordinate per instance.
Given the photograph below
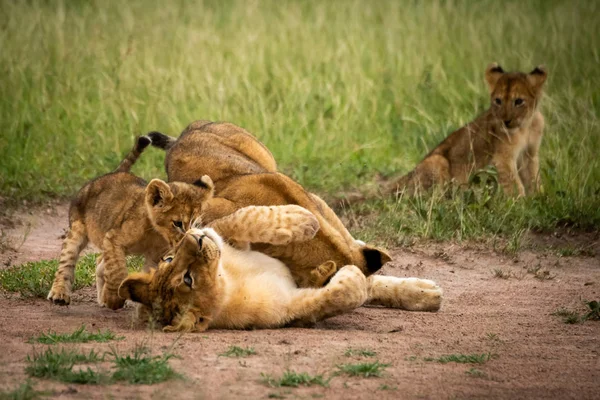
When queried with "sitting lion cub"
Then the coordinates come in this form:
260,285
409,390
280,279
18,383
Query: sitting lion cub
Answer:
204,283
121,215
507,135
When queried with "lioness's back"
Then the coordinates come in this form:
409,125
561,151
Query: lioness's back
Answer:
220,150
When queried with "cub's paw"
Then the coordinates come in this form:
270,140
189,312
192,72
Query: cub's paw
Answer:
297,225
411,294
111,299
59,294
348,287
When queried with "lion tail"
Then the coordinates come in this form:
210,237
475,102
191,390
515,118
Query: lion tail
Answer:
161,140
140,144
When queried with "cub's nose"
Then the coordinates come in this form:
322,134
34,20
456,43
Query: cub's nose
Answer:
199,239
507,123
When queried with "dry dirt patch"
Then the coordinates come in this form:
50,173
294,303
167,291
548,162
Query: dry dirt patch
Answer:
533,353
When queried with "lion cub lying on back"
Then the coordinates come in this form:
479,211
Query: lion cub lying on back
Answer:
205,283
507,135
121,215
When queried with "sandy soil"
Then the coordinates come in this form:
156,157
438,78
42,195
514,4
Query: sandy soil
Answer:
536,355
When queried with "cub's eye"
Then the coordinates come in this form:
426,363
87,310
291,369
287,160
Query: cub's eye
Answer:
168,259
178,224
498,101
518,102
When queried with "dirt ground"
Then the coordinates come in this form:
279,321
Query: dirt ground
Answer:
535,354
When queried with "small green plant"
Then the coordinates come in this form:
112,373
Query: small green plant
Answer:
360,352
541,274
61,365
365,370
25,391
568,316
500,273
79,336
295,379
142,368
235,351
463,358
474,372
386,387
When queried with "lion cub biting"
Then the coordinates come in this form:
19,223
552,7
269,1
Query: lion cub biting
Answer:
204,283
122,215
507,136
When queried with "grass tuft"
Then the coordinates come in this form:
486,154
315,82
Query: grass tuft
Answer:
25,391
463,358
236,351
79,336
360,352
142,368
365,370
65,366
295,379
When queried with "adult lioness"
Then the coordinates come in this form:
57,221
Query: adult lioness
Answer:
507,136
245,174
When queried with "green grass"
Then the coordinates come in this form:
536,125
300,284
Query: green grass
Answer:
339,91
366,370
142,368
463,358
295,379
25,391
34,279
70,366
476,373
66,366
81,335
236,351
360,352
592,312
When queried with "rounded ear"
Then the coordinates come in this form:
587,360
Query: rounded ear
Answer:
136,287
537,77
158,193
492,73
375,258
206,183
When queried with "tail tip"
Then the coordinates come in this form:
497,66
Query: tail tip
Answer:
143,142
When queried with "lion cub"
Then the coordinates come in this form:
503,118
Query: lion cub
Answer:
507,136
204,283
122,215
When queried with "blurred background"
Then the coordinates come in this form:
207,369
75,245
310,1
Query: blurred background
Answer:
340,91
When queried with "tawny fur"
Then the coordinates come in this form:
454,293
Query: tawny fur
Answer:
245,174
508,136
122,215
205,283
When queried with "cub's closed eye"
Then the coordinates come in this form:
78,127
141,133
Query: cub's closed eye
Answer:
178,224
518,102
168,259
498,100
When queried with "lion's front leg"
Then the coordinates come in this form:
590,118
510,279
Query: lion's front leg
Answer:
346,291
411,294
276,225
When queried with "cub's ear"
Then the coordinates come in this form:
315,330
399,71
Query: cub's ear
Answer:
206,183
537,77
158,193
375,258
136,287
492,73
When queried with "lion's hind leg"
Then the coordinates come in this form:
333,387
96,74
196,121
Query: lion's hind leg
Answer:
412,294
346,291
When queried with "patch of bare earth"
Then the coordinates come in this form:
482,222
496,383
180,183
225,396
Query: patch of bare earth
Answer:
534,354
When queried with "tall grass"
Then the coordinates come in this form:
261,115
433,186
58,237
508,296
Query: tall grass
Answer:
338,90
